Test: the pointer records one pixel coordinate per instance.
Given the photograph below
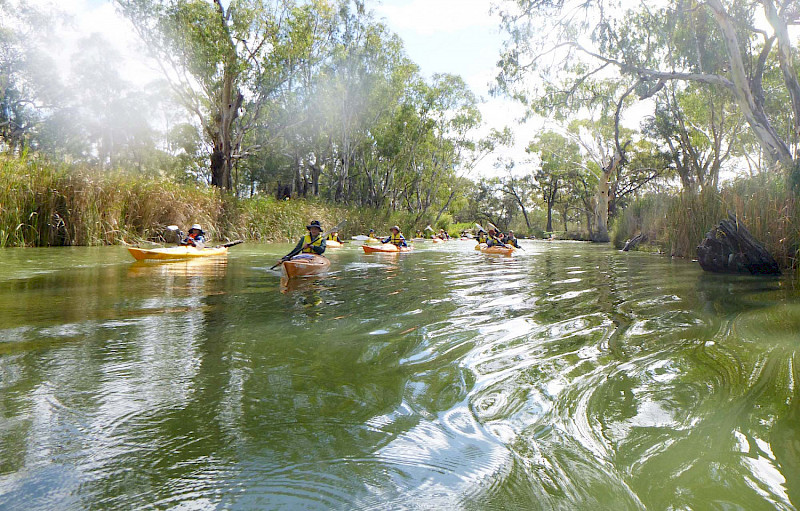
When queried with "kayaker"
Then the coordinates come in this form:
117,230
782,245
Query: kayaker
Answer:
493,239
334,236
512,240
419,234
372,234
396,237
311,243
443,235
482,238
195,237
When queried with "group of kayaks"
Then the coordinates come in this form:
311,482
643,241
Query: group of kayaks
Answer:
299,266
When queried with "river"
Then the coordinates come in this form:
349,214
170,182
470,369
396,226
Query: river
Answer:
569,376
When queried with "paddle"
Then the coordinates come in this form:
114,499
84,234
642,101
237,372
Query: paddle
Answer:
297,251
231,243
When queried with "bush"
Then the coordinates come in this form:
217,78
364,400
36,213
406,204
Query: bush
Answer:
677,224
42,204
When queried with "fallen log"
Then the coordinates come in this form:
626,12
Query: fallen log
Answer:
634,242
730,248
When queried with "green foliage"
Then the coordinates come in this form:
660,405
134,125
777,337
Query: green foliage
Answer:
44,204
677,224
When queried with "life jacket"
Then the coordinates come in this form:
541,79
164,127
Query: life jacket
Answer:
307,240
396,239
333,237
482,238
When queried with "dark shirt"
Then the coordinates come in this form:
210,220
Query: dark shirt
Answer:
319,250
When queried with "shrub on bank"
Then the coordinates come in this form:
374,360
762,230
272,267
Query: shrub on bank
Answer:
45,204
677,224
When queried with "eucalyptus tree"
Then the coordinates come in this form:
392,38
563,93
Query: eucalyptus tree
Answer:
518,186
557,157
717,43
29,83
700,128
225,62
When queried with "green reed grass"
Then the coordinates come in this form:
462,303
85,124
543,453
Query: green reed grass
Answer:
46,204
677,224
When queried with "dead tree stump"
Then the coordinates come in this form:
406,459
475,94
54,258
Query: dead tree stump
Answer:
730,248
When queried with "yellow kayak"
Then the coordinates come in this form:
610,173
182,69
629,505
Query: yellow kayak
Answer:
333,244
172,253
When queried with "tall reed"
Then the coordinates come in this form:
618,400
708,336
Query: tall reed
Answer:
45,204
677,224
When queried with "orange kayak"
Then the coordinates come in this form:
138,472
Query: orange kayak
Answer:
387,248
507,250
301,267
333,244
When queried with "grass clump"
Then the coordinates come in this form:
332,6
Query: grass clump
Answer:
46,204
677,224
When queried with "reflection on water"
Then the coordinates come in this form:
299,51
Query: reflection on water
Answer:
568,376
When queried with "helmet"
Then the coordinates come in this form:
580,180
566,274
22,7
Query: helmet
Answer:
395,228
196,227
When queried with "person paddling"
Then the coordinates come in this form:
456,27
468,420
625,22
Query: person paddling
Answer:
396,237
494,239
482,238
372,234
311,243
334,236
195,237
512,240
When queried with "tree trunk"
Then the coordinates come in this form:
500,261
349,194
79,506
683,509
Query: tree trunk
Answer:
752,109
549,217
601,205
730,248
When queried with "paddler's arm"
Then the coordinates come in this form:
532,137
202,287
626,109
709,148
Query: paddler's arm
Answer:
296,250
319,250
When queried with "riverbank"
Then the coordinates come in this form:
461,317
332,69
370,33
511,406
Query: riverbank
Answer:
676,224
45,204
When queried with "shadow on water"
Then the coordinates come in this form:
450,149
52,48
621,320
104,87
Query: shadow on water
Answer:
568,376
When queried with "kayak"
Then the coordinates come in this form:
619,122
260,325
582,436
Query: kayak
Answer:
333,244
172,253
388,248
438,240
372,240
494,250
305,266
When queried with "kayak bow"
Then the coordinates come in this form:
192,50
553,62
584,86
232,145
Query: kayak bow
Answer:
387,248
305,266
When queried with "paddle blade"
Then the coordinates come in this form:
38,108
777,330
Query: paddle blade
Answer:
492,226
479,228
173,227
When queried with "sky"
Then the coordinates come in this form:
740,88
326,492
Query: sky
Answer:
442,36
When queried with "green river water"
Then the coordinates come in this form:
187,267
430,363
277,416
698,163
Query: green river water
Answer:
569,376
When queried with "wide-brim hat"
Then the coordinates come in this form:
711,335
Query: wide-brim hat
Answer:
314,223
